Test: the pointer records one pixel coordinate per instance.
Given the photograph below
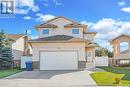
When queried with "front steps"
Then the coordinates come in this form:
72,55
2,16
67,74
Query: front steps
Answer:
90,65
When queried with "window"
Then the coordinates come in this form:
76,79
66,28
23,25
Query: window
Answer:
89,54
75,31
124,47
45,31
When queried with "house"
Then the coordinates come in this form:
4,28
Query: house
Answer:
19,47
121,50
63,44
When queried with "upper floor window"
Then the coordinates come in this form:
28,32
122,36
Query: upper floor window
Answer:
45,31
75,31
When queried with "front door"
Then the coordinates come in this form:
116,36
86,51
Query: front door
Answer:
89,56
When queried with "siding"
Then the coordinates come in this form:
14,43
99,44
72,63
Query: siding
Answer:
18,48
61,30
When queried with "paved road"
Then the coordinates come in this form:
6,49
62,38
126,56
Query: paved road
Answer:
49,79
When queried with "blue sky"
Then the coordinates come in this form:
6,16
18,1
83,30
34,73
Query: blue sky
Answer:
109,18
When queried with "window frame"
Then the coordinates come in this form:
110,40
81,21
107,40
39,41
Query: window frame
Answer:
45,31
75,32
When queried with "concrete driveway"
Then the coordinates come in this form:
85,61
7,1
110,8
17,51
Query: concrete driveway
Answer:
49,78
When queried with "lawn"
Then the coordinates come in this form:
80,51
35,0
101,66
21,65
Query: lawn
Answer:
108,77
5,73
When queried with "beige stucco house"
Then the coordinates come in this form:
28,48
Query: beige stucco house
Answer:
121,50
19,47
63,44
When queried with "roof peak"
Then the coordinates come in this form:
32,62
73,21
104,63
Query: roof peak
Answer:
61,17
120,36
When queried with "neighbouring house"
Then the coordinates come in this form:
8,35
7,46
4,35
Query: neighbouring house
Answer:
121,50
19,47
63,44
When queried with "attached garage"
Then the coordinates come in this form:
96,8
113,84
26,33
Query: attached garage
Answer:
58,52
59,60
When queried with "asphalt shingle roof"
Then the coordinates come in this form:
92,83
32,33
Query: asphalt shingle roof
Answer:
15,36
46,25
58,38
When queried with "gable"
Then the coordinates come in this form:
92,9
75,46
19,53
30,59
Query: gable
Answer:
15,36
121,37
61,21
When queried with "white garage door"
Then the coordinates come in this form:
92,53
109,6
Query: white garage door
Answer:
58,60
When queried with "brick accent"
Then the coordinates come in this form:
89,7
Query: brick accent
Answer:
81,64
36,65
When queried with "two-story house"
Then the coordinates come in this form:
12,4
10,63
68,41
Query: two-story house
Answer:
19,47
63,44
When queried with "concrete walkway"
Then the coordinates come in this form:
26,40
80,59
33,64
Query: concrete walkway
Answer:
49,79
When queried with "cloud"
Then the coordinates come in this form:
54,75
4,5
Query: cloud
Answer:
21,11
107,29
106,25
122,3
35,8
125,28
126,9
57,2
89,25
46,17
24,6
27,18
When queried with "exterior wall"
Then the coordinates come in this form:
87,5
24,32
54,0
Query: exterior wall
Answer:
61,30
116,47
37,47
89,36
92,50
18,48
80,47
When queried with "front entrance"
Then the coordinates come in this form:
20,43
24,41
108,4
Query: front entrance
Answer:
89,57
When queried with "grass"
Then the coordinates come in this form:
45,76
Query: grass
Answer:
119,70
108,77
5,73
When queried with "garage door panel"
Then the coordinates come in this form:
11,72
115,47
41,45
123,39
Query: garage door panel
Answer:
58,60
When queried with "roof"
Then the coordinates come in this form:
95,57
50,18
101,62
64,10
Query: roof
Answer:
47,24
59,17
120,36
59,38
90,32
92,44
74,25
15,36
